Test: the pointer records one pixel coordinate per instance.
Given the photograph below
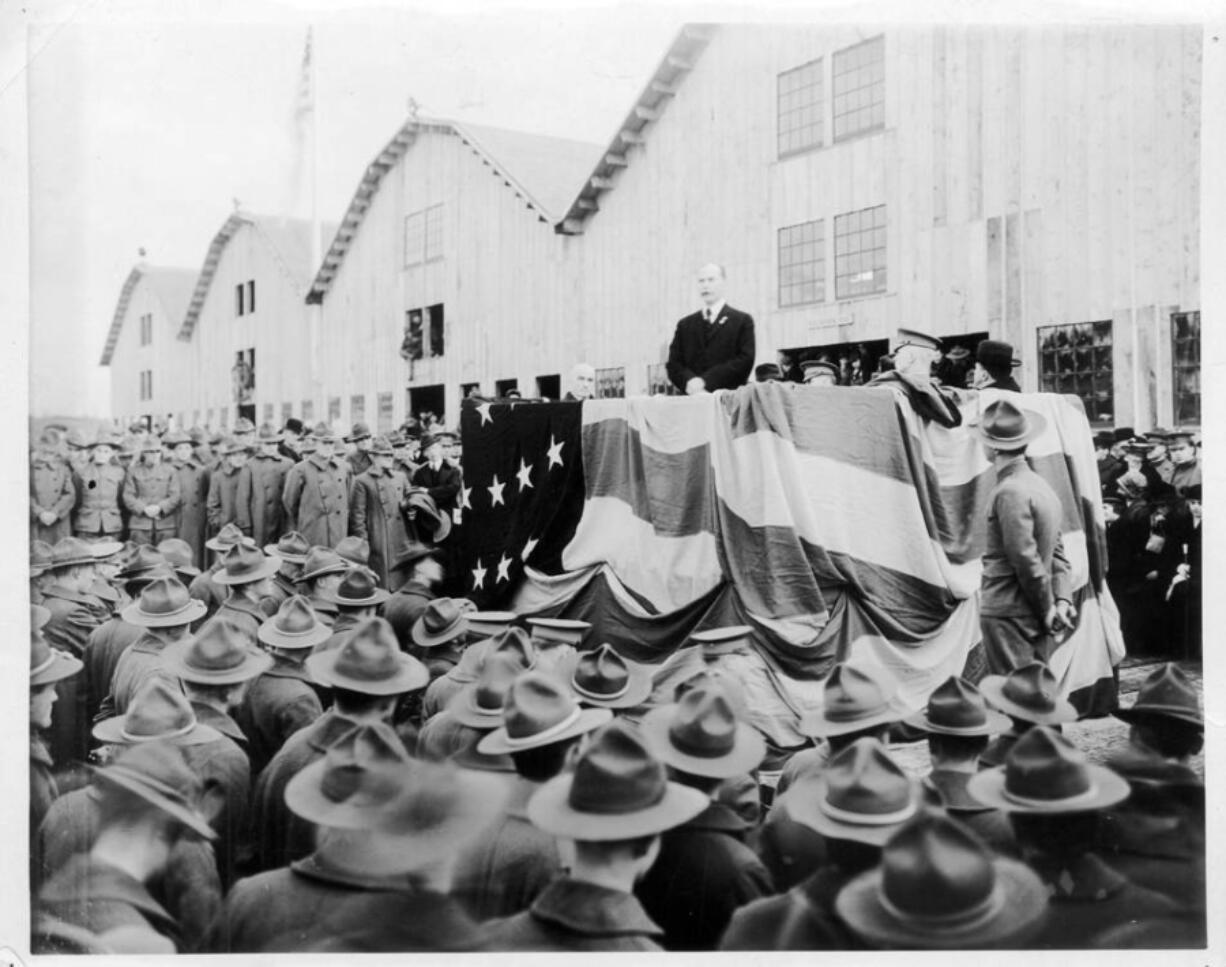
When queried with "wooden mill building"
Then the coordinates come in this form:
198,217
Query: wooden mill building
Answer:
1033,184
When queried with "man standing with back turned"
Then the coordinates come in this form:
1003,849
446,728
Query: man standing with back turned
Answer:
714,347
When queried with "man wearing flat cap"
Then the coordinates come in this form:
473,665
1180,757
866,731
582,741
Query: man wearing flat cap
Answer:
914,356
316,494
714,347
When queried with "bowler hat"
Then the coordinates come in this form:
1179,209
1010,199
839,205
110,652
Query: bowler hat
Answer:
268,434
994,354
158,774
603,678
862,794
1192,492
369,661
294,425
1030,693
423,503
158,710
1044,773
939,887
956,707
70,552
1167,693
294,626
320,561
442,621
47,665
1007,427
617,791
702,735
854,697
178,554
40,557
356,590
357,775
558,631
410,554
381,446
1104,440
218,655
164,603
292,547
815,367
245,564
227,537
914,337
767,371
539,711
479,704
729,640
355,550
360,431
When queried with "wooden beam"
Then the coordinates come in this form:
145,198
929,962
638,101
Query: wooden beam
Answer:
646,113
600,184
668,90
587,204
677,63
616,160
631,137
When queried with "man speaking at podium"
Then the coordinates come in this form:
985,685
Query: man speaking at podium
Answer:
714,347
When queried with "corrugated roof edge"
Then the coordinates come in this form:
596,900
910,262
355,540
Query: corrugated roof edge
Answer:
125,295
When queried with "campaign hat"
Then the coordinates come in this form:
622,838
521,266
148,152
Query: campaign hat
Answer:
320,561
479,704
243,425
854,697
178,554
702,735
158,711
939,887
70,552
292,547
957,707
354,549
233,444
443,620
217,655
323,433
294,626
605,679
106,438
1044,774
411,553
360,431
618,790
369,661
269,434
1030,693
558,631
862,794
164,603
245,564
158,773
175,437
40,557
539,711
1166,693
47,664
995,354
1005,426
358,774
420,501
357,589
227,537
381,446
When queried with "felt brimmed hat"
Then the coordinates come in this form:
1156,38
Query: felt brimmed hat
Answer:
175,437
232,444
1030,693
322,433
423,503
269,434
956,707
605,679
381,446
218,655
617,791
939,887
854,697
106,438
70,552
178,554
40,557
995,354
442,621
862,794
479,704
410,554
246,564
105,549
164,603
558,631
294,626
320,561
292,547
369,661
818,367
728,640
226,538
243,425
702,735
539,711
1005,426
1044,774
142,560
360,431
1167,693
158,711
47,665
158,773
358,589
358,775
355,550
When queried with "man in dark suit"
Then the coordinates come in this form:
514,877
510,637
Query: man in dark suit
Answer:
714,347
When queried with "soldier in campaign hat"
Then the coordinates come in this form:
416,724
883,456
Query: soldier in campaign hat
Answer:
99,486
321,572
316,494
291,550
221,505
193,492
52,491
47,666
247,576
259,512
203,586
489,632
357,597
359,456
152,495
414,573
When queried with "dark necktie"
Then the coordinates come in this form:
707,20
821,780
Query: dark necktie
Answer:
706,314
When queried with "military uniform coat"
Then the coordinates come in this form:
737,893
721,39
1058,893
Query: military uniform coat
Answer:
99,491
703,873
804,918
992,825
278,703
147,485
43,787
204,588
261,482
51,489
224,763
140,663
579,916
193,509
374,513
246,615
403,608
74,616
221,506
413,920
106,643
316,499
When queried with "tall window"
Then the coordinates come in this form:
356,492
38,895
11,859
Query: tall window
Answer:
146,384
384,402
1185,364
1076,359
357,409
611,383
801,108
308,412
434,233
244,298
859,88
287,410
423,235
802,264
251,295
859,253
224,418
334,409
270,412
146,329
436,329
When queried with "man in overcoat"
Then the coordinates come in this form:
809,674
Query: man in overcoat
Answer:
259,511
52,492
222,502
316,495
714,347
152,495
193,493
374,508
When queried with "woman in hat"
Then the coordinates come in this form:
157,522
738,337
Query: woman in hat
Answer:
52,492
99,486
152,495
259,512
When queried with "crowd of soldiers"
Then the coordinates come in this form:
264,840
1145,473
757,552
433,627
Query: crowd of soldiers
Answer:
305,747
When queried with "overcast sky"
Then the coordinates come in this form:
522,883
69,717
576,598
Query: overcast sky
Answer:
144,125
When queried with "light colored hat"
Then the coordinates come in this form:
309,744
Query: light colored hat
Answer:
702,735
164,603
294,626
358,775
854,697
539,711
565,631
218,655
159,711
369,661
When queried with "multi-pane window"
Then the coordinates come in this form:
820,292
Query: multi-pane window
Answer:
146,329
802,263
357,409
859,88
423,235
859,253
334,409
658,383
1185,364
611,383
1076,359
287,411
308,412
384,402
801,94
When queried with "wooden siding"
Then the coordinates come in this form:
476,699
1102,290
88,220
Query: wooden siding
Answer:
165,356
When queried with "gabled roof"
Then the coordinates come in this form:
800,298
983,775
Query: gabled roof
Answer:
172,286
541,170
288,238
676,63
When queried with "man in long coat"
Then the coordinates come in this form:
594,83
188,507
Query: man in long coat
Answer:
52,493
223,485
193,494
152,494
99,486
374,509
316,494
260,513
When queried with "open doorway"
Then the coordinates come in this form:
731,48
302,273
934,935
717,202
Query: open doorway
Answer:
425,400
549,387
857,361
